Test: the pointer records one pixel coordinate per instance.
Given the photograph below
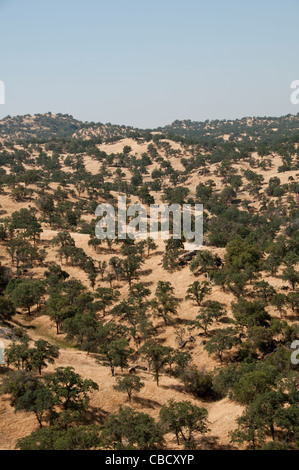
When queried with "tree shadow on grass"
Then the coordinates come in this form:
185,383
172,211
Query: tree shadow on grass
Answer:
158,253
212,443
179,321
146,402
225,320
147,283
177,388
44,244
145,272
95,416
292,317
21,324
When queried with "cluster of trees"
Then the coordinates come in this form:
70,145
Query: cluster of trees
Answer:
23,357
60,402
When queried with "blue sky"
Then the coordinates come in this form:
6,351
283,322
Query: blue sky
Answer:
147,63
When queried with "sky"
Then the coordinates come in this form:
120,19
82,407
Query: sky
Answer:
147,63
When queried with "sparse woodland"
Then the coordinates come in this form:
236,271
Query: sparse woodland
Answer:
118,344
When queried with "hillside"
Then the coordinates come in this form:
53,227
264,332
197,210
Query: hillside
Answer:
52,126
249,128
54,172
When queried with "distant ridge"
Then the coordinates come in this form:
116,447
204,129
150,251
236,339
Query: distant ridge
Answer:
48,126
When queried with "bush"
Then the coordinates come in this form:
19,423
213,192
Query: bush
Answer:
198,382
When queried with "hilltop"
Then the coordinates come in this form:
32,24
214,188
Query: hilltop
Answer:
52,126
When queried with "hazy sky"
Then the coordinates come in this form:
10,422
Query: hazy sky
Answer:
146,63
